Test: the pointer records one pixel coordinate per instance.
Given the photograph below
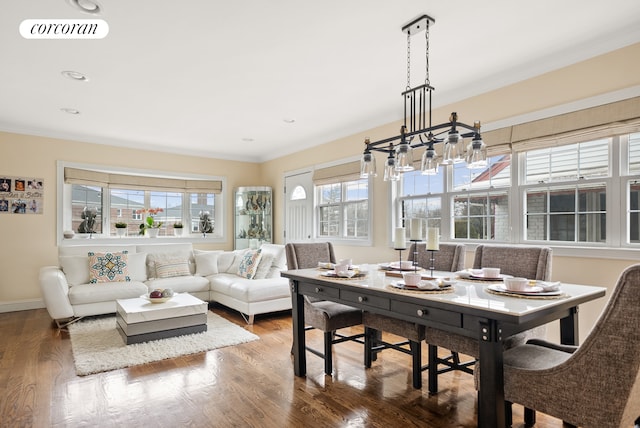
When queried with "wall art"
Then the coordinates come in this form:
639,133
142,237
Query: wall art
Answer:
21,195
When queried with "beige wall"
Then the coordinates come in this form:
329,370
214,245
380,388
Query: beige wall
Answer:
605,74
29,240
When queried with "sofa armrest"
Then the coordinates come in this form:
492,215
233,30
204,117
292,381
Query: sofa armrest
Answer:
55,292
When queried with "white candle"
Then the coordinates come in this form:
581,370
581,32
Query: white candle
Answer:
433,239
416,229
400,241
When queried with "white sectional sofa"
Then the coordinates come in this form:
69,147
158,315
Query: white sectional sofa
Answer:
213,276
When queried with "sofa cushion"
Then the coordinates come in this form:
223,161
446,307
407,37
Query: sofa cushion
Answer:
172,267
264,266
249,264
137,266
108,267
235,262
75,268
206,262
165,257
278,253
105,291
249,290
180,284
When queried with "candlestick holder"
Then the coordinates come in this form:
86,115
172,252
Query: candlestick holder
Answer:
399,250
415,254
432,261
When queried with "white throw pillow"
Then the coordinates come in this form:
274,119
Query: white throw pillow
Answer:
172,267
263,267
206,262
75,268
138,266
237,258
163,258
278,252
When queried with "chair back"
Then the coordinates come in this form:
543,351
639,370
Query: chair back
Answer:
449,258
307,255
526,262
599,384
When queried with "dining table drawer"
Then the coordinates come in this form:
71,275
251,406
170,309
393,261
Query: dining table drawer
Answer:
427,313
373,301
320,291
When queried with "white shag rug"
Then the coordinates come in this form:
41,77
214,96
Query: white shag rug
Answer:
98,347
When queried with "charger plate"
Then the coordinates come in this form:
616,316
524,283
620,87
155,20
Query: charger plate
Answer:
540,296
419,291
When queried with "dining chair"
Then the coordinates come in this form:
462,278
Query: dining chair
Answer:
449,258
528,262
320,314
596,384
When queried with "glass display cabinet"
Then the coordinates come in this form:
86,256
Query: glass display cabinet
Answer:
253,220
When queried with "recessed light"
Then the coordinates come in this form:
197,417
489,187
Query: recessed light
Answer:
75,75
87,6
288,120
247,139
70,110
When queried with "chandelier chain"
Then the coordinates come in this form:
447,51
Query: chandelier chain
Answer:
426,71
408,60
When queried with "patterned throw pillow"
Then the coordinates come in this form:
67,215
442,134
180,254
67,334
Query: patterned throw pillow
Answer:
172,267
108,267
249,264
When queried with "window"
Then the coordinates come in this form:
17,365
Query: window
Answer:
574,211
471,198
343,210
421,197
127,198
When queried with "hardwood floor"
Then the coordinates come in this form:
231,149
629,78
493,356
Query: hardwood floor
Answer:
249,385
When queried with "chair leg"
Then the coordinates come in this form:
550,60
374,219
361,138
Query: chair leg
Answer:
529,417
433,369
416,357
328,356
508,414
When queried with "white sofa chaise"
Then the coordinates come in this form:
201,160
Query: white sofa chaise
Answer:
213,276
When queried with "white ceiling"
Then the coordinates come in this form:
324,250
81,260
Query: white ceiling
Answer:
200,76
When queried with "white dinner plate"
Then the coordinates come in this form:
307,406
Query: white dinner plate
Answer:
530,291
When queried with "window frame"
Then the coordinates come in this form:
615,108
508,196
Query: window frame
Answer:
342,239
64,207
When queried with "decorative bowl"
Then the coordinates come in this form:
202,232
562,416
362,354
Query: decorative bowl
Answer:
156,299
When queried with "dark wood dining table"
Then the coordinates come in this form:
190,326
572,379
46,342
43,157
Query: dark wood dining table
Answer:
469,308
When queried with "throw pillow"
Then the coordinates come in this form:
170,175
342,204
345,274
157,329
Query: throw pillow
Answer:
263,267
137,266
75,268
249,264
163,257
170,268
108,267
238,255
206,263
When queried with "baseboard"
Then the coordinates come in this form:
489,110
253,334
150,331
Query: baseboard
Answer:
21,305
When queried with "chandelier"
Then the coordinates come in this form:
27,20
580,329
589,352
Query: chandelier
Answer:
418,131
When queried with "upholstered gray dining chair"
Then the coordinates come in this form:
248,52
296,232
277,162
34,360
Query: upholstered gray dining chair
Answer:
450,258
528,262
594,385
320,314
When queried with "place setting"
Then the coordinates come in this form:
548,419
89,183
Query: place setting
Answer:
525,288
414,282
344,269
484,274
